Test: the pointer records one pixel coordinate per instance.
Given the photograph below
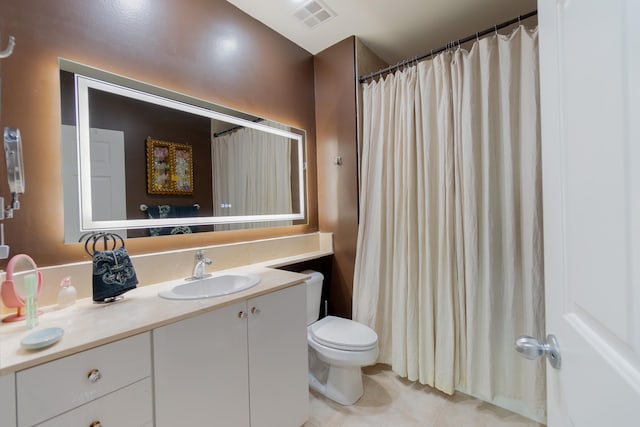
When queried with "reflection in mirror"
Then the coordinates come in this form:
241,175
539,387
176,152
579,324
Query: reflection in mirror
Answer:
152,162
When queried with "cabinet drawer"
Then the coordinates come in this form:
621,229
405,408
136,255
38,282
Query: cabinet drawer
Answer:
56,387
8,400
128,407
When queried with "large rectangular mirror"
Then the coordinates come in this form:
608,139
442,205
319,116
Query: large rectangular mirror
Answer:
145,161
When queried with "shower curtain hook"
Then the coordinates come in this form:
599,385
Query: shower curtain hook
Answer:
9,50
518,20
477,37
495,28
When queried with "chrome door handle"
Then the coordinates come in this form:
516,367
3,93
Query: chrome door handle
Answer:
530,348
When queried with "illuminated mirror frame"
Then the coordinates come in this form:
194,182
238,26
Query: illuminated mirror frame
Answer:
87,223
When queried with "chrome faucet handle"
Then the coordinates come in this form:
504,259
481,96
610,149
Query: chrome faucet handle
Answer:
198,266
201,258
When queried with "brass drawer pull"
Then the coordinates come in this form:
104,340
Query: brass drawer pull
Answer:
95,424
242,315
255,310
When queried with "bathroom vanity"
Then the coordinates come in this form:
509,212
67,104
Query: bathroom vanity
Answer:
239,363
238,360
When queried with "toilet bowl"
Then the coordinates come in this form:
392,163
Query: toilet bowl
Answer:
338,349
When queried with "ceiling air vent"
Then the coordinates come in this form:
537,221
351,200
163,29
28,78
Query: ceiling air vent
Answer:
314,12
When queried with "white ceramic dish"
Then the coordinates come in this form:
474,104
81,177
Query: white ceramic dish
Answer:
42,338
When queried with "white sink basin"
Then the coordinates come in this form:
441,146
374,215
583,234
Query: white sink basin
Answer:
210,287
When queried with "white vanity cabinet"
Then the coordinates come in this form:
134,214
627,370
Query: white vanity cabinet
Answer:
278,361
89,388
8,400
240,365
200,370
130,406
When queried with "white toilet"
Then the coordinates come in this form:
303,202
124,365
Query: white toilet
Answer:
338,349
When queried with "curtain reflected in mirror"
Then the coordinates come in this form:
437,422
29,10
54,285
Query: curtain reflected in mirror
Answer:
251,175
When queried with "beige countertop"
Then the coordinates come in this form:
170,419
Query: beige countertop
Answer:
87,325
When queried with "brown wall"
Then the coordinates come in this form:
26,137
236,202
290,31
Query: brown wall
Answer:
337,184
338,99
171,44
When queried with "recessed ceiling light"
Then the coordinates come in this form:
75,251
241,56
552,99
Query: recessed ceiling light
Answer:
313,12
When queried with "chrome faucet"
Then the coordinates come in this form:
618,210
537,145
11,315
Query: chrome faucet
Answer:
198,267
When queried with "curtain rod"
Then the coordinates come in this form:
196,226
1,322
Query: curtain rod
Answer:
235,128
449,45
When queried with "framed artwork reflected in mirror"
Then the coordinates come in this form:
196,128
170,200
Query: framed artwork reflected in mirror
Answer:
169,168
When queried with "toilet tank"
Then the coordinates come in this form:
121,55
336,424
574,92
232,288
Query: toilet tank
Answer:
314,295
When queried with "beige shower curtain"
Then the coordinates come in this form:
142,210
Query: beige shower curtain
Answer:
449,263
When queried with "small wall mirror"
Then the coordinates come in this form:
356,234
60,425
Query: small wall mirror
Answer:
15,169
144,161
13,157
23,280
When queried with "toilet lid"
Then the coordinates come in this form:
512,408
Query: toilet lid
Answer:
343,334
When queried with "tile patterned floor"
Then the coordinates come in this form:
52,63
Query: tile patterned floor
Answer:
390,401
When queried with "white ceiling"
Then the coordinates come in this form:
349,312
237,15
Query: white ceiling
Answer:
393,29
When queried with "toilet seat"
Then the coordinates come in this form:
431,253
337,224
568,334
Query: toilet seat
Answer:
343,334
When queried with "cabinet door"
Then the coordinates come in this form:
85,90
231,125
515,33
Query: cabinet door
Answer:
128,407
8,400
279,392
200,369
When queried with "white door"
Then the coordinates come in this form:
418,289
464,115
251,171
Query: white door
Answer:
107,179
590,100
